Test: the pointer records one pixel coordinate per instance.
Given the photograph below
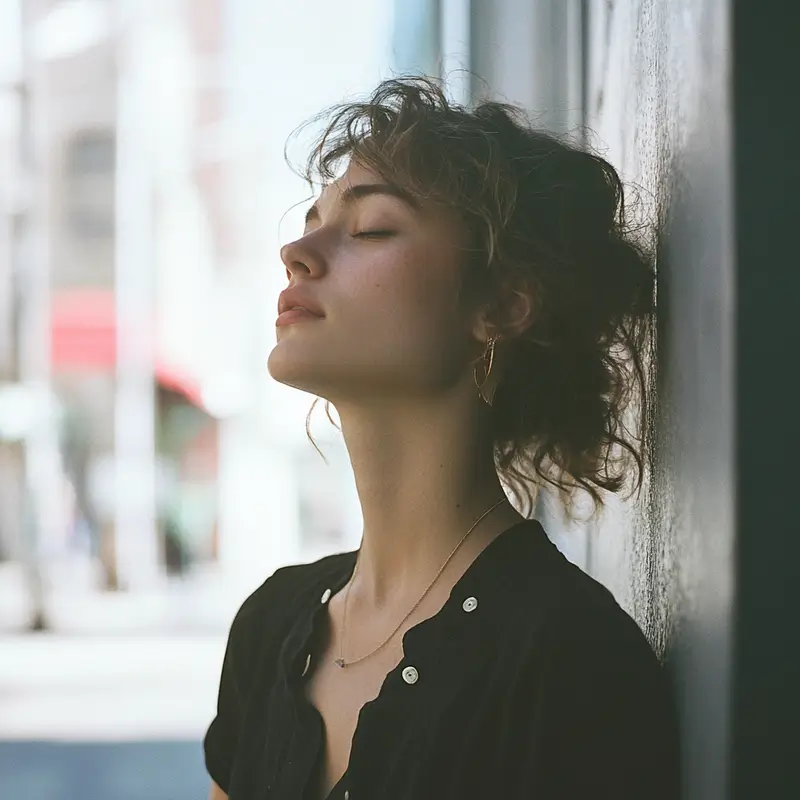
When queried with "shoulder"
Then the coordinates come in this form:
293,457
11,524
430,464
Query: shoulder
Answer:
590,658
568,605
592,640
268,610
256,635
584,610
591,691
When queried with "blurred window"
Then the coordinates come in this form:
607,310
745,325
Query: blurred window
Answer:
90,184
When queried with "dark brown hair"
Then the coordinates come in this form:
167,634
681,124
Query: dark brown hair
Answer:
548,218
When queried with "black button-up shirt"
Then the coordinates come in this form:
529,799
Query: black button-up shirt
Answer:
530,682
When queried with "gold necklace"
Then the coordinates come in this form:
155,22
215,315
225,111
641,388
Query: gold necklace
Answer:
340,662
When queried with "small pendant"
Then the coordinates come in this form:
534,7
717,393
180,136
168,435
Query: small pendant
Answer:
339,662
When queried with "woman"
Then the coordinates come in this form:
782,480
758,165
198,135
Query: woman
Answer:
465,296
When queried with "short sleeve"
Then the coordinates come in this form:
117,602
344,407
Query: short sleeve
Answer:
599,719
220,741
256,630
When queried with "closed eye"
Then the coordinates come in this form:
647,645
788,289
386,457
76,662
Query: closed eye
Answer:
375,234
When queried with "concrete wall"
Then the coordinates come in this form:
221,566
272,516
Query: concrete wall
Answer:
689,100
529,52
649,77
655,93
658,97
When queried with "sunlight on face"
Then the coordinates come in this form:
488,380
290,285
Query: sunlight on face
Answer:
384,270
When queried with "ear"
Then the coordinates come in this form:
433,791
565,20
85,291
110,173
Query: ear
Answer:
514,317
518,313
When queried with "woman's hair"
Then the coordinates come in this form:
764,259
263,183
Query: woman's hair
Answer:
547,219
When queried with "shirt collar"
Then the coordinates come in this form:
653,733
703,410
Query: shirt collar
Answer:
481,607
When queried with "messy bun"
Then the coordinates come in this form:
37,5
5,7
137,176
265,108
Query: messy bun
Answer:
547,218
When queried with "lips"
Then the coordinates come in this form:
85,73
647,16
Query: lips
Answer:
296,315
296,298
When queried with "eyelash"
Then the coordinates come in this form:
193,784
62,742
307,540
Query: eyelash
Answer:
377,234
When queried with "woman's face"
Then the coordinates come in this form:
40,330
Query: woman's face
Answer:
384,271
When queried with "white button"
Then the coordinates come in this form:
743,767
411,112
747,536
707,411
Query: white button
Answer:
470,604
326,595
410,675
308,664
346,795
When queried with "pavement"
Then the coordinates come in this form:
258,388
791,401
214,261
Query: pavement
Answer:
199,603
106,717
111,702
131,771
121,688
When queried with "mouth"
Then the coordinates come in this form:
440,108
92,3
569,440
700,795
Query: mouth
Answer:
296,314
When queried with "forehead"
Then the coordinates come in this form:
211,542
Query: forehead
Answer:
428,212
357,173
354,175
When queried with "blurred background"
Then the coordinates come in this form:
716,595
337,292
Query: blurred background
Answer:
151,474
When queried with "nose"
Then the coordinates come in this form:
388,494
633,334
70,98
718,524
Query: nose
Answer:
302,259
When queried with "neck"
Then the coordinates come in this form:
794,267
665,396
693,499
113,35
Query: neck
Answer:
422,481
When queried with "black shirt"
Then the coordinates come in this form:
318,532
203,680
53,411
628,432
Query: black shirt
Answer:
530,682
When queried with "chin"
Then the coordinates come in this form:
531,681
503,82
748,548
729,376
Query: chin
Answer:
335,372
287,365
286,368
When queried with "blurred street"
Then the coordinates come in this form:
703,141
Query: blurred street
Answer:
131,771
114,716
95,688
199,603
152,474
105,717
114,702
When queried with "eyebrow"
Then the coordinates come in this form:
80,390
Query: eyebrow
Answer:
354,193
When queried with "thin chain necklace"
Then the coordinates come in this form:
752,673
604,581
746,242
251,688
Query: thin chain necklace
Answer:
340,662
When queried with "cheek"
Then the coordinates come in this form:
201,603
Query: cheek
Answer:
406,289
404,316
393,322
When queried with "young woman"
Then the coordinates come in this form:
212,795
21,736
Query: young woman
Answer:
465,296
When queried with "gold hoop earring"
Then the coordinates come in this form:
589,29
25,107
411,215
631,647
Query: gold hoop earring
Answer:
488,356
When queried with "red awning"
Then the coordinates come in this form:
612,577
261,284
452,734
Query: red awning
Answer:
83,330
83,337
182,382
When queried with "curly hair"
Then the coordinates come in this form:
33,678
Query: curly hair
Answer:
546,217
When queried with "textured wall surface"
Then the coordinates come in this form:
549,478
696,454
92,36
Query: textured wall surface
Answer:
659,101
694,102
